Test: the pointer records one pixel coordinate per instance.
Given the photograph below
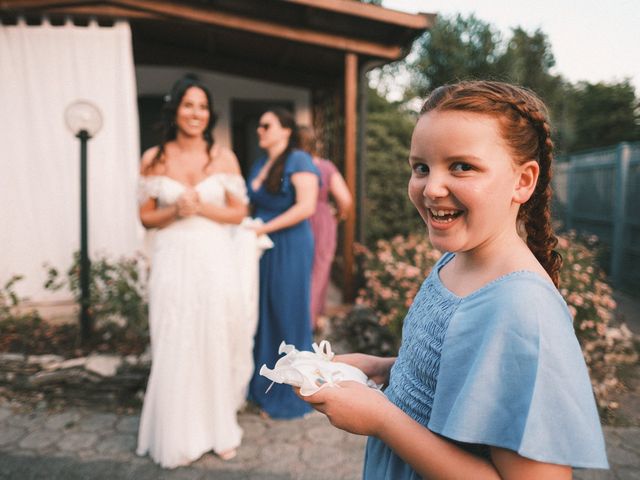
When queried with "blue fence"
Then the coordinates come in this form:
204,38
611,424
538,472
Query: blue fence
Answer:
598,192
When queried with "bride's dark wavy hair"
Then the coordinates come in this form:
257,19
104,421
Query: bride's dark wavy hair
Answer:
167,124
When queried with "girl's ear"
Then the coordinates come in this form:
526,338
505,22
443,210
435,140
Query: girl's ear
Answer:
526,181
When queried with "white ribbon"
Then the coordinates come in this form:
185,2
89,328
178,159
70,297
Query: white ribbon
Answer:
311,371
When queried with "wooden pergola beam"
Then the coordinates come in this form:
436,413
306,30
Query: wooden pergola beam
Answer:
112,11
350,105
17,5
262,27
372,12
203,15
347,7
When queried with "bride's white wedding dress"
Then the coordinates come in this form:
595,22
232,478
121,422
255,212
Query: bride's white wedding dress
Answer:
202,318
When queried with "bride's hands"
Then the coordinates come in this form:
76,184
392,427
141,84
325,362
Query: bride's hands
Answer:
188,204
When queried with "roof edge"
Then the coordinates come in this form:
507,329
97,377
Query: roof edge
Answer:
419,21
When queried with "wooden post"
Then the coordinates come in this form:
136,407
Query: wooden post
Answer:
350,104
623,158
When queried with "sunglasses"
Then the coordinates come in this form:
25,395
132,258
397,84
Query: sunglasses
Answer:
264,126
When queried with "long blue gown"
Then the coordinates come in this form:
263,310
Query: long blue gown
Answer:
285,284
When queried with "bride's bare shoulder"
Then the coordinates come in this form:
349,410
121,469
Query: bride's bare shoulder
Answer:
224,160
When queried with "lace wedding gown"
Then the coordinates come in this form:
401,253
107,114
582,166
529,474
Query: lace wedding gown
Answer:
202,318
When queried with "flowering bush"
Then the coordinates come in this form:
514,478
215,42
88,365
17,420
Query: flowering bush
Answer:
605,345
394,272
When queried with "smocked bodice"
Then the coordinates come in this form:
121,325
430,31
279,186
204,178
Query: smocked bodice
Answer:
414,374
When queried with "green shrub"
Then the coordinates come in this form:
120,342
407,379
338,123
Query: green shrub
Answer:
10,303
118,306
117,289
388,136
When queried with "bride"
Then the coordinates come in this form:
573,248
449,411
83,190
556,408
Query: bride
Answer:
201,327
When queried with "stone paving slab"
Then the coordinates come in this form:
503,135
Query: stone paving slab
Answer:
84,444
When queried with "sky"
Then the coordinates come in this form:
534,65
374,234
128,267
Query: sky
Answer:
591,40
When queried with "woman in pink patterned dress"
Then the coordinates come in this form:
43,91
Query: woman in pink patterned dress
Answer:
324,222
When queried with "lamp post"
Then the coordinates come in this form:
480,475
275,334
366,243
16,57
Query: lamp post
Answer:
84,120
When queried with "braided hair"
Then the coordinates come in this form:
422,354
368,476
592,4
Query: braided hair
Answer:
168,125
525,127
273,182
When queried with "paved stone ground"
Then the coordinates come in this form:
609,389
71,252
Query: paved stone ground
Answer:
88,444
84,444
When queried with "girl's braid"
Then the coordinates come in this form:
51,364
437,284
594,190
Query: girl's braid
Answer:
536,212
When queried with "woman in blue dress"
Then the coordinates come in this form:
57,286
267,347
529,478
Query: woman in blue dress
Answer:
283,188
490,382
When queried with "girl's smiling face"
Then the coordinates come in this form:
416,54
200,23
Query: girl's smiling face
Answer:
464,181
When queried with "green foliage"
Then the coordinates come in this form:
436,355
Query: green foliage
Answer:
10,303
455,49
22,330
605,114
362,331
387,208
584,116
117,289
527,60
32,335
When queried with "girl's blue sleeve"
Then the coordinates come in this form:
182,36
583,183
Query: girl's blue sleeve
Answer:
512,375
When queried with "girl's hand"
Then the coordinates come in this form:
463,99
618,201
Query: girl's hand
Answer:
376,368
352,407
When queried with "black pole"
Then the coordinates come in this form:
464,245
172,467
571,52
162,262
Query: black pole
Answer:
85,264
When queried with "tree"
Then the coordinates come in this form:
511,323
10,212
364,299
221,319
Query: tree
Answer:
605,114
583,116
455,49
527,60
388,211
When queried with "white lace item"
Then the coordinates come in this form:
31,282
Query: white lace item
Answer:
311,371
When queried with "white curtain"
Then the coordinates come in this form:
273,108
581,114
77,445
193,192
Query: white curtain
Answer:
43,69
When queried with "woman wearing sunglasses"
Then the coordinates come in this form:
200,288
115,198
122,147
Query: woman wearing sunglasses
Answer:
283,189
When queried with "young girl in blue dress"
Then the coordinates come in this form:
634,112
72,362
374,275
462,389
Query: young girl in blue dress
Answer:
490,381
